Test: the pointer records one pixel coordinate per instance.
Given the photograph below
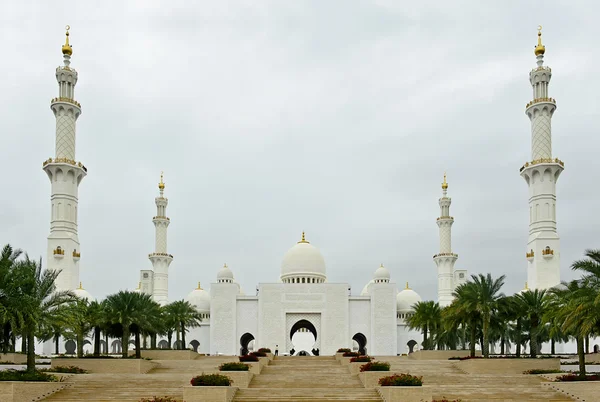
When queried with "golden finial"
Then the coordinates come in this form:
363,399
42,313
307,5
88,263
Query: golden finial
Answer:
67,49
444,184
161,185
80,287
381,266
526,286
199,287
407,285
225,265
540,49
303,239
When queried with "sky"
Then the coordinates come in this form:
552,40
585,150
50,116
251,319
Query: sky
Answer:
269,118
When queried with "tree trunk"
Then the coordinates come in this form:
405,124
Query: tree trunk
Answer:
518,337
502,344
587,345
80,345
552,347
464,336
169,339
30,351
581,355
6,333
144,342
13,340
23,344
425,340
177,338
106,342
182,336
125,342
533,341
473,340
152,341
138,350
96,341
485,347
56,343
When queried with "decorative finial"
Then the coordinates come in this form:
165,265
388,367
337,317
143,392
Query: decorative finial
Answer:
161,185
381,266
407,285
444,184
67,49
200,287
80,287
225,265
540,49
303,239
526,286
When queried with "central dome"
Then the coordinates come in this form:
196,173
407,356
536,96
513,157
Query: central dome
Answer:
303,263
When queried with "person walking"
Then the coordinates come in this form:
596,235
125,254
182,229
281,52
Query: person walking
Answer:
276,350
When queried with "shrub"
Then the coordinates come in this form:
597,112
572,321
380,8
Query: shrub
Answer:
577,377
21,375
66,369
234,366
362,359
264,350
248,358
465,358
351,354
258,354
444,399
541,371
401,380
211,380
375,366
343,350
159,399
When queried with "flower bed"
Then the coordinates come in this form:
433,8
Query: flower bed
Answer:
444,399
343,350
361,359
159,399
351,354
22,375
234,366
258,354
464,357
577,377
264,350
248,358
66,369
541,371
401,380
210,380
375,366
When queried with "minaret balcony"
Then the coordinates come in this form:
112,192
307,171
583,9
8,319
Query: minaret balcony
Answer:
451,218
76,255
530,255
541,100
65,160
161,217
547,253
540,161
67,100
158,255
58,252
441,255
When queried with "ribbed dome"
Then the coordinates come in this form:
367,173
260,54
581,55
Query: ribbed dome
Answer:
406,299
303,261
200,299
83,294
381,274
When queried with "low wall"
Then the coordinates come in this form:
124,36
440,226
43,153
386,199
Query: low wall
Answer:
167,354
208,394
264,361
440,354
240,379
506,366
18,358
255,367
26,391
110,365
405,394
591,358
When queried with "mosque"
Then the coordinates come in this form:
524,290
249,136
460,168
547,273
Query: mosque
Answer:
302,300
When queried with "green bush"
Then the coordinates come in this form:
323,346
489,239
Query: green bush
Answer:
541,371
248,358
401,380
211,380
264,350
159,399
234,366
361,359
343,350
21,375
375,366
351,354
66,369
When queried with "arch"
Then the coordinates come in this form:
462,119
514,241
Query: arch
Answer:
411,345
361,339
596,348
163,344
116,346
304,326
70,347
244,342
103,346
195,345
178,345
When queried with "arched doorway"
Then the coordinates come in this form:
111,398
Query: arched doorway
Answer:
70,347
411,345
361,340
116,346
596,349
303,336
245,342
195,344
163,344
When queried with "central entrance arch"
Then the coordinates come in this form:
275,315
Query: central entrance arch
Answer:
245,342
303,333
361,340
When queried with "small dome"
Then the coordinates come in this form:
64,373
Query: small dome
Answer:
381,274
199,298
83,294
406,299
365,291
225,274
303,260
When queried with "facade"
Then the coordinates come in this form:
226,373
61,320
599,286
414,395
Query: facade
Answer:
541,175
448,277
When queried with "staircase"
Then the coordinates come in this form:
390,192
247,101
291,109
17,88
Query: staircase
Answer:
309,378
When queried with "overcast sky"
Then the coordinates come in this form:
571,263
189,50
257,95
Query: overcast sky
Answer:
268,118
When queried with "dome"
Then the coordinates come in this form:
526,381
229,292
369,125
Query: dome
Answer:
406,299
303,261
381,274
83,294
365,291
199,298
225,274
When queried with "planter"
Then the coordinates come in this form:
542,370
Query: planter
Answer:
110,365
170,354
345,360
506,366
18,358
25,391
354,368
255,367
240,379
338,356
208,394
370,379
440,354
405,394
263,361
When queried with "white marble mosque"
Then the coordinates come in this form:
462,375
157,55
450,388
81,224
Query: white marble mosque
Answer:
301,310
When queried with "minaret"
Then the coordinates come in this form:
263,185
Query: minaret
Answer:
160,258
541,174
65,175
445,259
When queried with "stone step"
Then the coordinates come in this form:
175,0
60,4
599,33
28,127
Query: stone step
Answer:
302,394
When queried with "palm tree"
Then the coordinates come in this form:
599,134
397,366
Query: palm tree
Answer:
79,321
8,295
533,305
97,317
185,316
427,317
38,298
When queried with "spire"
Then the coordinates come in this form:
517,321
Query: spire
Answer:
303,239
67,50
444,184
199,287
161,185
407,285
540,49
80,287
